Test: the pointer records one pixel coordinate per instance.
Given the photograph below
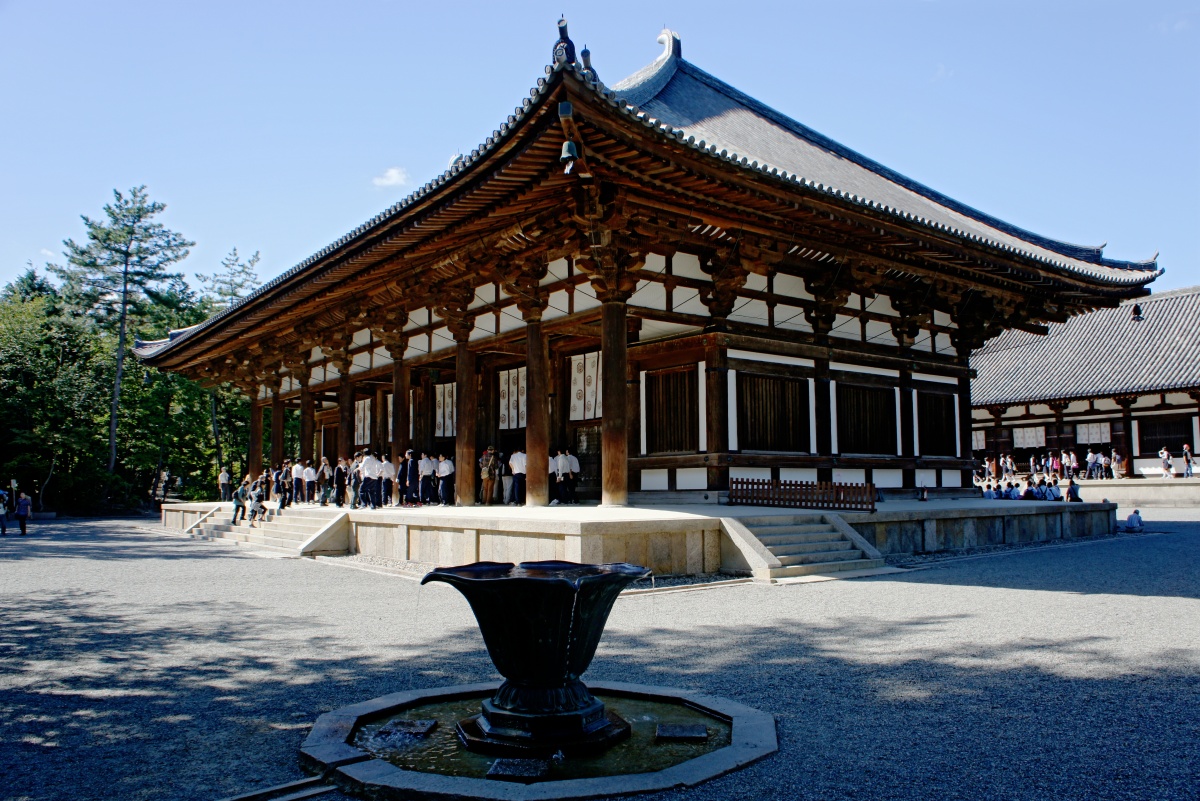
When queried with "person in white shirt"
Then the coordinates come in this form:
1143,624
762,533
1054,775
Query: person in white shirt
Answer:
517,463
298,482
559,467
1134,521
370,487
572,480
223,485
310,483
387,471
988,493
445,471
1055,492
428,470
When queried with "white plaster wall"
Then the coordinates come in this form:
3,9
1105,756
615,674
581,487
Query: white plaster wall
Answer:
655,263
585,298
654,479
791,318
797,474
880,333
944,345
691,478
846,327
1181,398
849,476
748,472
687,301
361,337
557,305
1106,405
652,329
511,320
791,286
888,478
883,305
927,478
951,478
483,296
941,318
555,271
750,311
650,294
942,379
862,368
756,282
688,266
750,355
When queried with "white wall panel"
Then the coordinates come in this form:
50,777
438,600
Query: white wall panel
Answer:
691,478
849,476
951,478
557,305
555,271
688,266
797,474
791,286
650,294
880,333
654,480
754,312
887,478
749,472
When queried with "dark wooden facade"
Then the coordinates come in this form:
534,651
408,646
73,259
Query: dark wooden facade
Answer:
745,320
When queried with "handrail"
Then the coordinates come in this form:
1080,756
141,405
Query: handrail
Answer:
202,518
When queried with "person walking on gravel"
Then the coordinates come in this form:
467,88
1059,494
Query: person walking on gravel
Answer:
24,511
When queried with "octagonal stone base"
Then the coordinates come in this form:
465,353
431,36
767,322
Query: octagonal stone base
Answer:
328,749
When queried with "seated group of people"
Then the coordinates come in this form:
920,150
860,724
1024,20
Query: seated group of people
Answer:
1042,490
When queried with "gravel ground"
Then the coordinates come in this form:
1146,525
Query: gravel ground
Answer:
139,666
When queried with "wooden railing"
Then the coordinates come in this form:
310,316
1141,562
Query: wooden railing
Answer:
803,494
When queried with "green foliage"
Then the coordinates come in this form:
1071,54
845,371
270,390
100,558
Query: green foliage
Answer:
62,348
232,282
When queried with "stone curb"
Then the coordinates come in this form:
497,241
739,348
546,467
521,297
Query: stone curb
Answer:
327,748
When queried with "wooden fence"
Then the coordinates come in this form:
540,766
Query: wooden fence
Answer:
802,494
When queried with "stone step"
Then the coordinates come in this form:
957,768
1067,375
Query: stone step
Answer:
777,521
794,528
791,549
771,539
284,547
826,567
283,534
822,556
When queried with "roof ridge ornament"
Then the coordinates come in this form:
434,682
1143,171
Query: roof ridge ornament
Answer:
589,73
564,48
672,44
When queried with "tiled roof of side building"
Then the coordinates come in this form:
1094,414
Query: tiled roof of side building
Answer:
1100,354
680,94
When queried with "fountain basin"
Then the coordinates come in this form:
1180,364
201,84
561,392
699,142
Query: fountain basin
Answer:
541,623
335,745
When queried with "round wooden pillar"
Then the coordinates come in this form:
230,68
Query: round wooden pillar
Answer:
614,445
537,417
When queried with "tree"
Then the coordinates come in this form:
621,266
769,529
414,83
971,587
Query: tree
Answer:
121,269
231,283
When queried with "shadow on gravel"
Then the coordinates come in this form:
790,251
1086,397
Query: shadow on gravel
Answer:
102,538
101,704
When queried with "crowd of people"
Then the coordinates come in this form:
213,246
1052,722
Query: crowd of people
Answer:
1096,465
372,481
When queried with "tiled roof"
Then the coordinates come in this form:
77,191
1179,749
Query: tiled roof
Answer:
679,94
1095,355
684,103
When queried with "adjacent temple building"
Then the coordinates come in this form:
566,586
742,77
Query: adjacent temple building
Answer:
1124,379
676,281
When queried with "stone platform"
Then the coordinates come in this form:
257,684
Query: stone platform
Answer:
684,539
1153,492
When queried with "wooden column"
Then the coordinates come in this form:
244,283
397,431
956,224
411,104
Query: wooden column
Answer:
964,425
537,416
401,441
487,418
379,418
558,397
308,420
907,434
824,414
614,447
467,397
254,468
277,413
633,402
716,395
423,412
345,416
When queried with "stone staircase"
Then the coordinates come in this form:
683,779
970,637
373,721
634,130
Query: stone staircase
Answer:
284,534
809,544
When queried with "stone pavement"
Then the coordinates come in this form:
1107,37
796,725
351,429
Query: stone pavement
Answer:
138,666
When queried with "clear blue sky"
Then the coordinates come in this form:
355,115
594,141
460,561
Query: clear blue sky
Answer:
279,126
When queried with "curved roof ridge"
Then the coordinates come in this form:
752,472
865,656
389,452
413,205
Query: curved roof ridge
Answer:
645,84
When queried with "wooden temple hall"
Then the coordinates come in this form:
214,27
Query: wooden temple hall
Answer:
679,283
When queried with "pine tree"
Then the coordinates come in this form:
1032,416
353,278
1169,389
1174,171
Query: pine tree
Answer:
235,280
119,271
